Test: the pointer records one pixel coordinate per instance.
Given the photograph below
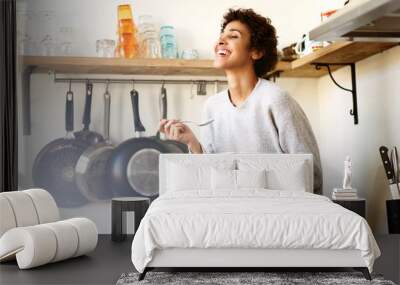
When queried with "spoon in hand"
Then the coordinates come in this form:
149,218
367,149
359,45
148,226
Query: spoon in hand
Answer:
202,124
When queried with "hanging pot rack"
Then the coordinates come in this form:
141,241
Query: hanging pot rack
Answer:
201,87
135,81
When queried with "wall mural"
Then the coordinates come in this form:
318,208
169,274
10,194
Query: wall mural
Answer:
85,166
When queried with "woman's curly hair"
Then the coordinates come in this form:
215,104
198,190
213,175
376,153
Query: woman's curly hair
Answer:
262,37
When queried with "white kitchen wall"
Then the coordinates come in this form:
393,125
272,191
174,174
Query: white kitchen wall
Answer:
197,26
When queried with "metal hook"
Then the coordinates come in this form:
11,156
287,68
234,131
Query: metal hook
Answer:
162,85
133,84
70,84
191,89
107,84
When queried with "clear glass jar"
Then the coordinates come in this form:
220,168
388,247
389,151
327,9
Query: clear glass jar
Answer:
190,54
65,35
105,48
146,23
47,43
151,47
168,42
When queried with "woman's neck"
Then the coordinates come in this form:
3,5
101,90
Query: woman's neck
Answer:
240,84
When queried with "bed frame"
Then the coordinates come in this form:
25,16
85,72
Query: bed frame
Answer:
248,259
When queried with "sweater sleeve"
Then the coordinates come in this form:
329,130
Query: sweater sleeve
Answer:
206,132
296,135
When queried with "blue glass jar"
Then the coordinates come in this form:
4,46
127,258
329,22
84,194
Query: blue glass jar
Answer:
168,42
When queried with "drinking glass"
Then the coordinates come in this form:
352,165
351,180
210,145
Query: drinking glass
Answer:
105,48
190,54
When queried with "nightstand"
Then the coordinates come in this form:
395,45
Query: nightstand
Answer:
138,205
356,205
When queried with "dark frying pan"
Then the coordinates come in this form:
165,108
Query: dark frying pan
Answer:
135,161
177,147
53,168
85,134
90,170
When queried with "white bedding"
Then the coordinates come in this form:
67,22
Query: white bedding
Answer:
253,218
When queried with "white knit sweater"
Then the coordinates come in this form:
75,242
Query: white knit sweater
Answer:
269,121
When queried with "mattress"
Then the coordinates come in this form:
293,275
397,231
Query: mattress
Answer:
250,219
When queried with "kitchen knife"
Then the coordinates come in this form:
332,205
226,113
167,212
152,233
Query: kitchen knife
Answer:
383,150
394,159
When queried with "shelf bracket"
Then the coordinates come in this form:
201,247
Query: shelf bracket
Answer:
275,74
353,90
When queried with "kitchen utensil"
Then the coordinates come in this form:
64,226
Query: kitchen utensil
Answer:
177,147
199,124
135,161
53,168
90,170
394,159
394,192
85,134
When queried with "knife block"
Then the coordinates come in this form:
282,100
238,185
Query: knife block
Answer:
393,216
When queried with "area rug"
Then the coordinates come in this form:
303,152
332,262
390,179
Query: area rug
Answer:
253,278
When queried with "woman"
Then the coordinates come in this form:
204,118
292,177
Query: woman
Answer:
253,115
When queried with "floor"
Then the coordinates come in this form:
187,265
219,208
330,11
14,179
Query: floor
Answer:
103,266
111,259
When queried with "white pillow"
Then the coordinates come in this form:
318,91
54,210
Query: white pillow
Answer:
251,178
296,179
183,177
193,172
281,174
223,179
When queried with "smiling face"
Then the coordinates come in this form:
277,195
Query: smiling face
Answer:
232,50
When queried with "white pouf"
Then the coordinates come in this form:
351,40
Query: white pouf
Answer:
31,233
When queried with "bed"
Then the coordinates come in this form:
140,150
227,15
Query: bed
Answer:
247,211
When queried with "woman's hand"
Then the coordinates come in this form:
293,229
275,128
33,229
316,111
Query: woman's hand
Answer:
175,130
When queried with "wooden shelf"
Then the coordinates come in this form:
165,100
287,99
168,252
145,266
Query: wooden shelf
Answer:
338,52
95,65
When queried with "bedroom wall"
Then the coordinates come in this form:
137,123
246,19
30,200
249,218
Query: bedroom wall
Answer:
197,26
378,106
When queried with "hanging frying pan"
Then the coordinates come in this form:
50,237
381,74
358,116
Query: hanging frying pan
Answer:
85,134
53,168
178,147
133,167
90,170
